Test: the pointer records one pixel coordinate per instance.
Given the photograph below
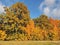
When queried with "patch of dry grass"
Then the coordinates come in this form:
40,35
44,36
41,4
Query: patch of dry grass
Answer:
29,42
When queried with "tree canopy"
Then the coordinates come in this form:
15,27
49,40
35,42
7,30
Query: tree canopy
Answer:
16,24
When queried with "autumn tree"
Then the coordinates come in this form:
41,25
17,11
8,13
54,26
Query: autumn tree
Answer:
15,20
16,24
43,22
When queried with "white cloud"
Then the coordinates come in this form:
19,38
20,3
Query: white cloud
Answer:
49,2
51,8
46,10
1,7
56,13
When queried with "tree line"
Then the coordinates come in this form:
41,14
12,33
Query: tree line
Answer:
16,25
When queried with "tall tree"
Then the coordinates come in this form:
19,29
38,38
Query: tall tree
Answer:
16,19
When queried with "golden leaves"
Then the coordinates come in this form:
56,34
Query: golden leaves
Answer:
2,35
17,25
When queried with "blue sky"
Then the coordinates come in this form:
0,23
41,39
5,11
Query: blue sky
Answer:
51,8
33,6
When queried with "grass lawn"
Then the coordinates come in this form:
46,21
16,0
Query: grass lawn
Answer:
29,42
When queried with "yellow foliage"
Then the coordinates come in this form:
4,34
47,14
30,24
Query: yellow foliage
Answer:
2,35
17,20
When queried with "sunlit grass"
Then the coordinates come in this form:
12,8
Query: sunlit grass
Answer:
30,43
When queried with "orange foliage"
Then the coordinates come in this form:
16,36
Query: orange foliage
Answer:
30,27
55,30
19,21
54,22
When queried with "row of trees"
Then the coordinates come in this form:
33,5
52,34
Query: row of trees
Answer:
16,24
